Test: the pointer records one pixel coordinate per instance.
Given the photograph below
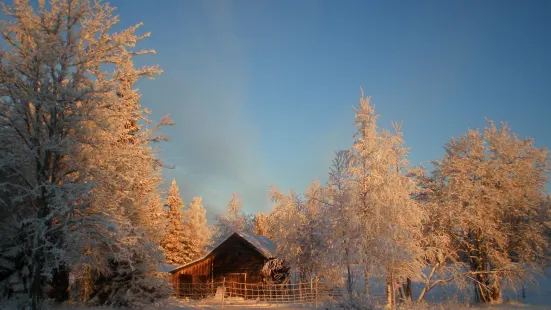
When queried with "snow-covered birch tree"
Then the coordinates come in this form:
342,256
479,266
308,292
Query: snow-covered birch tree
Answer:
301,228
440,247
344,224
493,189
390,220
83,173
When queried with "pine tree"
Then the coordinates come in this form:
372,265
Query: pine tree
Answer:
198,230
234,221
176,237
234,207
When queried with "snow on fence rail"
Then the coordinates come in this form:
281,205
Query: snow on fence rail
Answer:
295,293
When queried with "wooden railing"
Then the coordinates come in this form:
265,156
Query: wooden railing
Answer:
305,292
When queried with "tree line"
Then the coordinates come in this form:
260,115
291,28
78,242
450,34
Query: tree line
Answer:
479,217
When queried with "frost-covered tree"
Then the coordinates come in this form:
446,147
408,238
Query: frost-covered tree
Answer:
389,219
260,225
440,248
233,221
301,228
196,225
82,173
283,224
176,235
492,191
344,224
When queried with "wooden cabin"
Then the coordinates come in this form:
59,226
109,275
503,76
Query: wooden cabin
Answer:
238,259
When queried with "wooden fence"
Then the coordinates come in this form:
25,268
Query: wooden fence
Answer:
292,293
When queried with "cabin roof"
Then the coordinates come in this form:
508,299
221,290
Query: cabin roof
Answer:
261,244
166,268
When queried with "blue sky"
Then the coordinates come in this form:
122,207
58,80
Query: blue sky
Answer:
262,91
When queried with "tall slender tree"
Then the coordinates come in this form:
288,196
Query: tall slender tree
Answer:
176,236
390,220
233,221
198,230
344,224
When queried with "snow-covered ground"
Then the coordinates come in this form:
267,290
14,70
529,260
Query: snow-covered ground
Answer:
445,297
537,293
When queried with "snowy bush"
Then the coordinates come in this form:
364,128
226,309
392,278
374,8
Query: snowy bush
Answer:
350,302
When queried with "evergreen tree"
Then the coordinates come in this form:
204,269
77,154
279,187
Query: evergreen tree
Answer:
234,221
198,230
176,237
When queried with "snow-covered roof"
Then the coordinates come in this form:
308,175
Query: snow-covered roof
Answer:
262,244
166,268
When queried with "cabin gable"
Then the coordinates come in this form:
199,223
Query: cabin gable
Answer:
239,258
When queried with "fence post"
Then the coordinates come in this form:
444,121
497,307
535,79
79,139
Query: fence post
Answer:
223,290
316,294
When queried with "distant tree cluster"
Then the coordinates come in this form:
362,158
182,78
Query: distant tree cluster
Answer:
187,234
480,217
233,221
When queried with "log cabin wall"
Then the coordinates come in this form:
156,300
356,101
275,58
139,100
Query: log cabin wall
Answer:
237,256
199,272
233,260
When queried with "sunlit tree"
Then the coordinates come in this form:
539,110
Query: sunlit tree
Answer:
198,230
81,172
389,219
491,189
175,237
233,221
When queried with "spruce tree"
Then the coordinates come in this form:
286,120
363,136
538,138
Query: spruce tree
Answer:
174,241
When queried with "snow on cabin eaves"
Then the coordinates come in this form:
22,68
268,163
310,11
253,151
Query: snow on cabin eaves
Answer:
263,245
166,268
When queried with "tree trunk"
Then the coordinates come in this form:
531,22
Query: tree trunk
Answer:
366,275
36,289
60,284
407,289
487,287
393,281
389,294
349,280
487,290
